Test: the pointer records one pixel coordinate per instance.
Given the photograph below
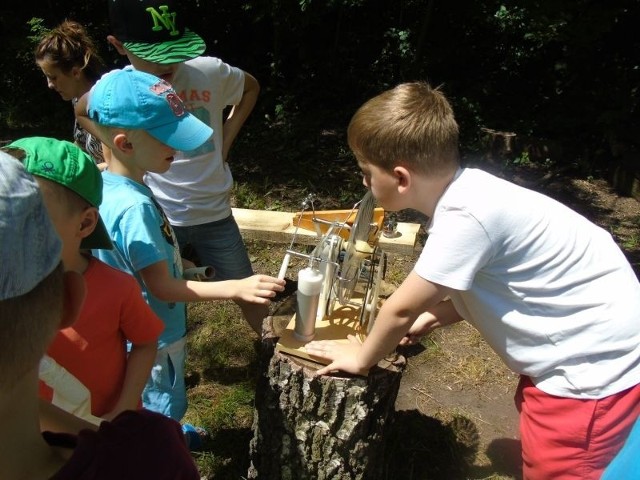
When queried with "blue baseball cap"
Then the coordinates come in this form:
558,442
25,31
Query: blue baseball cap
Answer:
137,100
30,248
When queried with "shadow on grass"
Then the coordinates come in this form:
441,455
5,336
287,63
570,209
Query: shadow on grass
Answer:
222,375
420,447
226,454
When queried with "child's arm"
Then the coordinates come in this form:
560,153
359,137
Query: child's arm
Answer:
139,363
396,316
80,111
55,419
239,113
255,289
440,315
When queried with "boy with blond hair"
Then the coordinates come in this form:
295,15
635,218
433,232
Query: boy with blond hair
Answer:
37,297
93,350
143,121
550,292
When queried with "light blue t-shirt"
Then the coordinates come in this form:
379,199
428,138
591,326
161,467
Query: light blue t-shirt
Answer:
141,236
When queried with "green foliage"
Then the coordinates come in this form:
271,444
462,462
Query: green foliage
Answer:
632,242
523,159
246,197
38,30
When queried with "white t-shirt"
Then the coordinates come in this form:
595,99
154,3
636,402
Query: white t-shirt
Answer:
550,292
196,188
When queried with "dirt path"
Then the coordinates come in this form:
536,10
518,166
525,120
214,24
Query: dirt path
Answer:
456,379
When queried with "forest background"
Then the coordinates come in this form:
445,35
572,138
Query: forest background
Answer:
562,74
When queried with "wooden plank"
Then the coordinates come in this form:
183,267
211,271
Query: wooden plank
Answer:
342,322
306,219
278,227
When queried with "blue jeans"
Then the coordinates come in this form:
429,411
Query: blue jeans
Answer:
220,245
165,391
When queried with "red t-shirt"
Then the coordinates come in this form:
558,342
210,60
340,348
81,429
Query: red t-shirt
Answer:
135,445
94,348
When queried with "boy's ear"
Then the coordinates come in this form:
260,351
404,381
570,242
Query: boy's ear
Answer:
73,298
117,44
88,222
403,177
122,143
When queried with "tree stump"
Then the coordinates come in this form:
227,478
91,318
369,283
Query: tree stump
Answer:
308,427
501,145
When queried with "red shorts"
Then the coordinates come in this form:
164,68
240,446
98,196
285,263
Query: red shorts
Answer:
568,438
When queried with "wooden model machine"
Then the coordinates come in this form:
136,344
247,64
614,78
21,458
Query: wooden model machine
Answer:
338,290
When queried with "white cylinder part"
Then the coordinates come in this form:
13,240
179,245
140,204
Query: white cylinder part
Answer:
310,281
308,295
283,268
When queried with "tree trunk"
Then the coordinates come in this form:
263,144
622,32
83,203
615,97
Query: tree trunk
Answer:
308,427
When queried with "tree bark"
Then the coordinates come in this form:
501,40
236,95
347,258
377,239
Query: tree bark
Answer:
308,427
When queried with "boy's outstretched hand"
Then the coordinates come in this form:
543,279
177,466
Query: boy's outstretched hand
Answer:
343,356
424,324
259,289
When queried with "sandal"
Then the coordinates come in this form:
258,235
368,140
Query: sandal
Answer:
194,436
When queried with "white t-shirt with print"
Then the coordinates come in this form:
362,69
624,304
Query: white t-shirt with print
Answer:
196,189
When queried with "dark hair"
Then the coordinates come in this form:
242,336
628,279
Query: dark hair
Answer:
69,45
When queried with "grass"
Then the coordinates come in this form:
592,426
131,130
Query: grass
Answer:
221,374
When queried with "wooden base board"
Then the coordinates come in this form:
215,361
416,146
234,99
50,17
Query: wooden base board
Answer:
343,321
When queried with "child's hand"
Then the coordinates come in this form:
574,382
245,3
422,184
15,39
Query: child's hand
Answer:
343,356
259,288
187,264
423,325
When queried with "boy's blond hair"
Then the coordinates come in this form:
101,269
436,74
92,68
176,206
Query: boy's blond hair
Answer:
411,125
106,133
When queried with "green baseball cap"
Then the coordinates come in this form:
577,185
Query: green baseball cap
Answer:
65,163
